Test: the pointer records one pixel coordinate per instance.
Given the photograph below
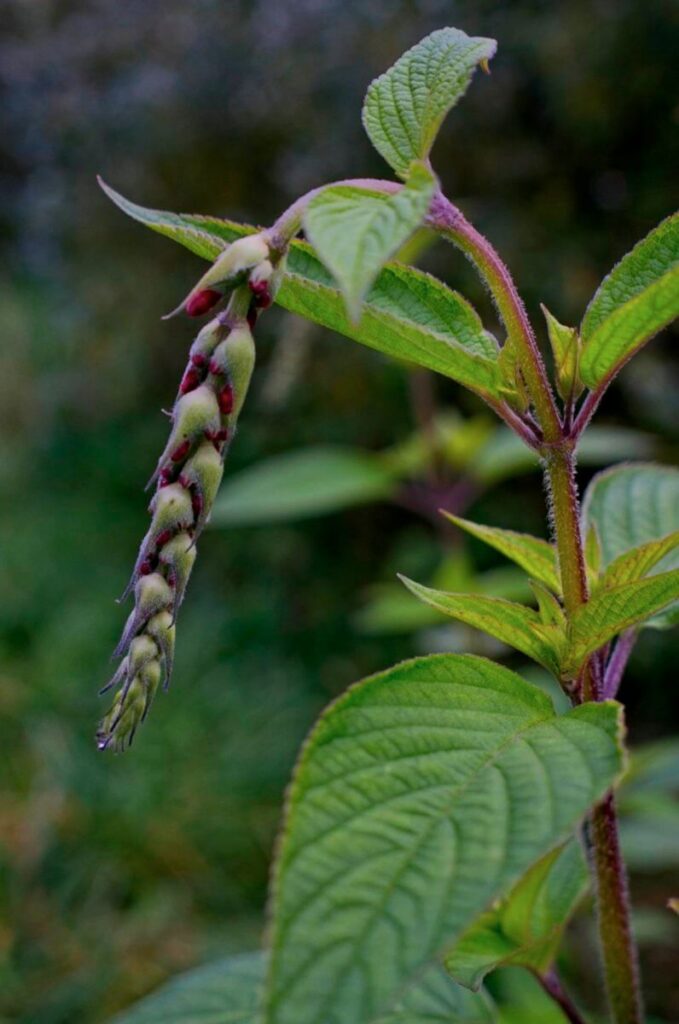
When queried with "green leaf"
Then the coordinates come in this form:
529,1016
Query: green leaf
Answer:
610,612
636,563
436,999
526,927
514,624
355,231
536,556
310,482
408,314
637,299
565,344
227,991
631,506
405,107
649,807
522,1000
421,795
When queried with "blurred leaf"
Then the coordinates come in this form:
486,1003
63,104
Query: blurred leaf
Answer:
630,506
415,803
355,232
505,455
436,999
313,481
533,554
610,612
514,624
408,314
649,807
405,107
526,927
522,1000
654,767
229,990
637,299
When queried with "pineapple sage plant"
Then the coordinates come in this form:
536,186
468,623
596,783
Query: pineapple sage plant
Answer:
443,819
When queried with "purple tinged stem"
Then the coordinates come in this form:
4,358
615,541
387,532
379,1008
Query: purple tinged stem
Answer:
617,663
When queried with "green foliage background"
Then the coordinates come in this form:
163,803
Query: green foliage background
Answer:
118,872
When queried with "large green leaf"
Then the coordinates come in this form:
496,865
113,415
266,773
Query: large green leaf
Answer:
355,231
533,554
512,623
310,482
421,795
631,506
404,107
637,299
227,992
526,926
610,612
638,562
408,314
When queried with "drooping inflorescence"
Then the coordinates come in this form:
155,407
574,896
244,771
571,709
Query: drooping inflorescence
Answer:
187,477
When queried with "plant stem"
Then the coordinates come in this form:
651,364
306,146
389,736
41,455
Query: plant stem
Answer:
618,950
552,986
618,663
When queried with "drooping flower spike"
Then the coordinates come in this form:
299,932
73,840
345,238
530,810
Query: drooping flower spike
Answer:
209,401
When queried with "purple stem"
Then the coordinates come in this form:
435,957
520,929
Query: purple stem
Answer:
552,986
617,663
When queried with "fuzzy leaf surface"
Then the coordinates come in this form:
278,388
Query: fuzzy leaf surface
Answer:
405,107
420,796
631,506
525,928
638,298
513,624
408,315
309,482
226,992
436,999
355,232
533,554
610,612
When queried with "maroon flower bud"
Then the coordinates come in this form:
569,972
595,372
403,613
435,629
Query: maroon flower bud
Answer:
190,380
202,302
225,400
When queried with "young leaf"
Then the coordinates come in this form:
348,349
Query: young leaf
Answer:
310,482
513,624
421,795
227,990
408,314
638,562
631,506
610,612
355,231
405,107
637,299
533,554
525,928
565,345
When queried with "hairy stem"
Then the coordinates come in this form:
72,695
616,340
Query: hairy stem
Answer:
552,986
453,225
618,950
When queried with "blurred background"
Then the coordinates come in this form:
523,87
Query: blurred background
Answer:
118,872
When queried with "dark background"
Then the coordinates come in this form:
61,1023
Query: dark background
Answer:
117,872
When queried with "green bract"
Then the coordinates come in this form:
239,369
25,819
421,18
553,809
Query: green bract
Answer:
355,232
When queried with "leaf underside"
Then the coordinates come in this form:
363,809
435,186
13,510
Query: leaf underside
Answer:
631,506
421,795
